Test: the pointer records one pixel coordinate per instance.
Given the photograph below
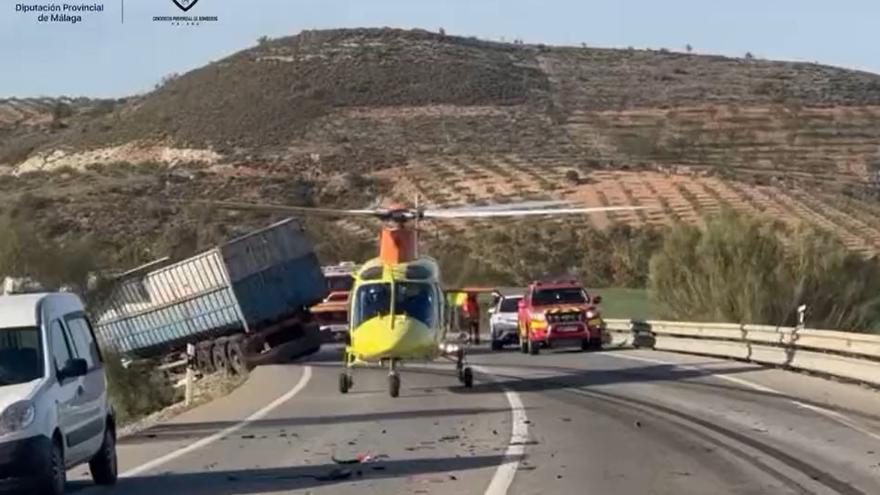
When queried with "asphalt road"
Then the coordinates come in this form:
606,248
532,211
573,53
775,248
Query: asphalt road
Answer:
628,422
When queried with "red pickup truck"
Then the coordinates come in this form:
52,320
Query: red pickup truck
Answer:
559,314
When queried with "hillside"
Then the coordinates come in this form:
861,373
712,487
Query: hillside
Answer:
340,117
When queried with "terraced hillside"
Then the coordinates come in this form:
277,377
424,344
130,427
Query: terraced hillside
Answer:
343,117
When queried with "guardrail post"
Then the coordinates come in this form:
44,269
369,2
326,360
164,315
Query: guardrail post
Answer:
802,316
190,372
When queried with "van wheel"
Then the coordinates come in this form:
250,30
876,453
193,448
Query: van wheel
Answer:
52,477
103,466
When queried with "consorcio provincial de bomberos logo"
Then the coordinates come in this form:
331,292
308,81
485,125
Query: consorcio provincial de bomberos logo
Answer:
185,20
59,12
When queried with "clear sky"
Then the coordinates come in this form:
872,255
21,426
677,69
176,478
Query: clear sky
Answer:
104,57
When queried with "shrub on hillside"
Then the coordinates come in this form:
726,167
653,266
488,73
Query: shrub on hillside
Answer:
136,391
24,253
516,253
750,270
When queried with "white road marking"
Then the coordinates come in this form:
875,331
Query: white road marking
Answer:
828,413
300,385
519,434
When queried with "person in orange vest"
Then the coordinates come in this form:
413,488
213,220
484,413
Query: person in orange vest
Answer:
472,317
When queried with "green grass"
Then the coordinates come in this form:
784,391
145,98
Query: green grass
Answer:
625,303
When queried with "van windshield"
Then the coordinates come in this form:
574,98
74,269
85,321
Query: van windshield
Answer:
21,359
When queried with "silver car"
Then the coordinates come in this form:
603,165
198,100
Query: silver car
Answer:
503,321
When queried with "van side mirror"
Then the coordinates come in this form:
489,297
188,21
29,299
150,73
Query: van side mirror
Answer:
73,368
492,311
597,299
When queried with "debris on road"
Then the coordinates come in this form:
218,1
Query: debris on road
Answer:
360,459
527,442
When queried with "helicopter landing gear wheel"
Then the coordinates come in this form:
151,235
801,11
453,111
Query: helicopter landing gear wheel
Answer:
394,385
467,377
345,382
393,379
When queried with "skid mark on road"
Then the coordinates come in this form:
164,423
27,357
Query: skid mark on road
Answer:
519,433
828,413
300,385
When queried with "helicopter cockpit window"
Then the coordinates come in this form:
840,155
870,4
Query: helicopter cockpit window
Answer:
417,272
415,300
371,301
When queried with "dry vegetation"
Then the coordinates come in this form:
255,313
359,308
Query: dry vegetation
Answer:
747,269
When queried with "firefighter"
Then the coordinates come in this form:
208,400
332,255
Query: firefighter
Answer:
471,312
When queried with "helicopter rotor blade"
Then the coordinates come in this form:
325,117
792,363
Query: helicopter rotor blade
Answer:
233,205
522,205
484,213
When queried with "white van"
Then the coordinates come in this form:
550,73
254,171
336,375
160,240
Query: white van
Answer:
54,411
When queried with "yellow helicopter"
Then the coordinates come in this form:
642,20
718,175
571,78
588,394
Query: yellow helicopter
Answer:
397,306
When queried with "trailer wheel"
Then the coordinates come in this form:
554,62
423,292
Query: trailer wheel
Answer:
218,352
204,359
236,359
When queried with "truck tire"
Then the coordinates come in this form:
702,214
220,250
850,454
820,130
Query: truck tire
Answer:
218,356
204,359
235,356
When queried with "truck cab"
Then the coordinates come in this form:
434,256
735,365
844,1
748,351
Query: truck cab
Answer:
559,314
332,313
54,409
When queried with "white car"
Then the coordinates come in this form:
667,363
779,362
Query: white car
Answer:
503,322
54,410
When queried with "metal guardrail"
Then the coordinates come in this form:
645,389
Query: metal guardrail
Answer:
852,356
